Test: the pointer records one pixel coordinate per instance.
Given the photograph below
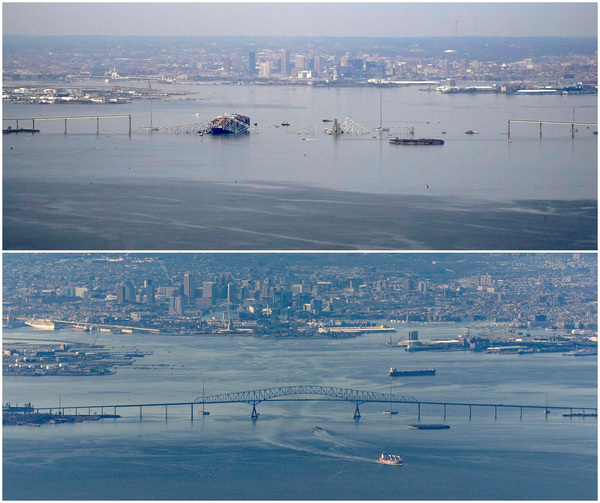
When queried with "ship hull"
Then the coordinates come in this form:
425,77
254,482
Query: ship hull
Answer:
41,324
429,426
233,124
416,141
405,373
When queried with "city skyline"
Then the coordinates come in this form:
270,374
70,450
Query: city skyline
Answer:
335,19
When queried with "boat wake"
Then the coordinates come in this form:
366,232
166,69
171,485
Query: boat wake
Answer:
333,446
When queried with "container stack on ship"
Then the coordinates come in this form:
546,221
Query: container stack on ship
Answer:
230,124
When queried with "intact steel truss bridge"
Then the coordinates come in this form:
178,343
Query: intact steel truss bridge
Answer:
357,397
254,397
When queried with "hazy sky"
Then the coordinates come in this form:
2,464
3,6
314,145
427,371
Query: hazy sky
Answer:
394,19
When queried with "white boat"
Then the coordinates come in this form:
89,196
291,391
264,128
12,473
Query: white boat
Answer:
390,459
44,324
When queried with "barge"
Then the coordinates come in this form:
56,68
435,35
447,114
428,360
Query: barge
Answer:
416,141
429,426
402,373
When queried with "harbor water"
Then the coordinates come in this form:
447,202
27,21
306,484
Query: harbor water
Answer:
308,450
284,187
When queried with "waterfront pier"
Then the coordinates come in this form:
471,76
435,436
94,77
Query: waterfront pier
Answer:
67,118
317,393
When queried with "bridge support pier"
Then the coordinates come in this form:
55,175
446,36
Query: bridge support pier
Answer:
254,415
356,413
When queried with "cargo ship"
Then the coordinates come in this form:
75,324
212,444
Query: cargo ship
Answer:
416,141
230,124
390,459
400,373
41,324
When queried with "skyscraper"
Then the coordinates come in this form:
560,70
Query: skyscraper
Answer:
176,307
189,288
252,64
317,64
285,62
148,292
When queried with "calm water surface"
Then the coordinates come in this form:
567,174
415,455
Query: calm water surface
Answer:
483,166
298,188
281,455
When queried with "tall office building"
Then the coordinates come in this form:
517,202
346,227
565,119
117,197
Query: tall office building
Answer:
317,64
252,64
231,294
264,70
285,62
176,307
209,290
148,292
189,288
300,63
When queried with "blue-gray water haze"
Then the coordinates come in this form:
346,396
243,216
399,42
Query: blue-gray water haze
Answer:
283,455
295,187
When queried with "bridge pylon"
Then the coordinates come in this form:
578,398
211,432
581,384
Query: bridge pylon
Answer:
356,412
254,415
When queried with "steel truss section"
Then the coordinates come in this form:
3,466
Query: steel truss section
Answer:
261,395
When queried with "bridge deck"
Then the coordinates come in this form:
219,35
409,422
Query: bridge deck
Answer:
289,393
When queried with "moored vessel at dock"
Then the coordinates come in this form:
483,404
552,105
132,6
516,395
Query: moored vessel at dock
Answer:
41,324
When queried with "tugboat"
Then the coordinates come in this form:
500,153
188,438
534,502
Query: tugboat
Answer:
390,459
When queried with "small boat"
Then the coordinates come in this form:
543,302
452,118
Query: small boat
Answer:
327,120
470,131
390,459
285,123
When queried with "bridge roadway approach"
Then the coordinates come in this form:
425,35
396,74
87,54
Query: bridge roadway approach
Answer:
356,397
